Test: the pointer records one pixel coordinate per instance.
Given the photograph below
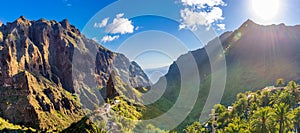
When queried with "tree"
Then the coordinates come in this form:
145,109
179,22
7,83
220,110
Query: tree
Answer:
152,129
238,125
282,97
253,101
286,97
232,128
282,116
262,120
293,88
274,97
292,85
240,106
280,82
265,98
194,128
296,119
224,118
219,108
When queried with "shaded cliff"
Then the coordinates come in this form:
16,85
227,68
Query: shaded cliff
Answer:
256,55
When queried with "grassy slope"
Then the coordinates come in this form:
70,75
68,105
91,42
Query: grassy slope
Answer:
6,126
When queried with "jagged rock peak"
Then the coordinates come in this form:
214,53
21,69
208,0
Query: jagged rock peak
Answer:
22,19
65,23
249,21
43,20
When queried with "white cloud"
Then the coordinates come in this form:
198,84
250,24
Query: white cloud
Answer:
214,15
95,39
120,15
137,28
109,38
102,24
191,19
221,26
203,3
206,13
120,25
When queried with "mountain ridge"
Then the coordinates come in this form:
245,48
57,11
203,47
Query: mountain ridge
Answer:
256,56
62,73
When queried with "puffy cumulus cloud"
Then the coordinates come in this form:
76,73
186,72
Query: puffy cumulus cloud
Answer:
203,3
103,23
214,15
109,38
192,19
201,13
120,25
120,15
221,26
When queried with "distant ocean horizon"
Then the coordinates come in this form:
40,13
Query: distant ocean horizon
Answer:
154,74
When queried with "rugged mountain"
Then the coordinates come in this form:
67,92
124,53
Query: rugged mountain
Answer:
256,55
49,71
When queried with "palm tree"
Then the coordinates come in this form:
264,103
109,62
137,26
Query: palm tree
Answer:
297,119
265,98
280,82
293,87
194,128
240,107
282,97
262,120
282,116
274,97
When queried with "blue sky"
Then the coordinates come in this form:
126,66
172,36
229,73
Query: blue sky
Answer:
79,12
84,15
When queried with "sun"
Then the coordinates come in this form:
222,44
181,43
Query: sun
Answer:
265,9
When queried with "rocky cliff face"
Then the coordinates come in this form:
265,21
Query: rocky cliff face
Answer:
37,102
43,62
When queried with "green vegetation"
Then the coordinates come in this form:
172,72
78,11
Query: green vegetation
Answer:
127,109
280,82
5,126
84,126
152,129
273,109
196,127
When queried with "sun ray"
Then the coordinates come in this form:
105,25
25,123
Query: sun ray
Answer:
265,9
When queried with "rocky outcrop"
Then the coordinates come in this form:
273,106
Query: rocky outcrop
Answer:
44,63
36,102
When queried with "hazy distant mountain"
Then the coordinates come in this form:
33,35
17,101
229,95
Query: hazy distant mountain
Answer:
44,63
155,73
256,56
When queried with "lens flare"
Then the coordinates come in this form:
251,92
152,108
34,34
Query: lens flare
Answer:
265,9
